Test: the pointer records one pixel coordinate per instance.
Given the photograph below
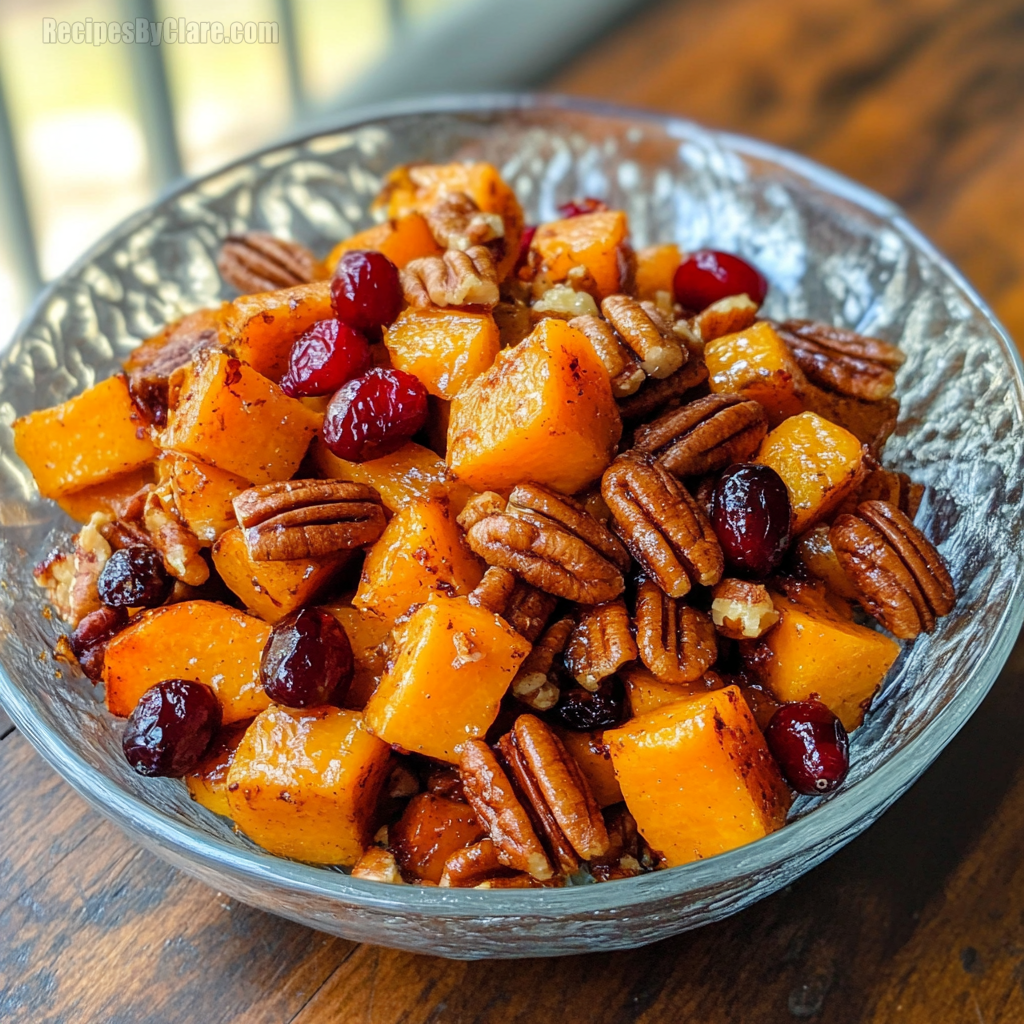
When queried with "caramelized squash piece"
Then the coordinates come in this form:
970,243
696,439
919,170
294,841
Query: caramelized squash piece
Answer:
402,241
817,652
88,440
656,267
590,242
819,462
273,589
200,640
208,781
454,663
429,831
697,776
232,418
421,551
368,634
647,692
203,495
591,753
543,412
814,549
444,348
304,783
108,496
757,364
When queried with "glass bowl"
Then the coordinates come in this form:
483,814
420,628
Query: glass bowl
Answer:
831,249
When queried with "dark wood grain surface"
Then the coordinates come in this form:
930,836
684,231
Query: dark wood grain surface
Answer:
920,920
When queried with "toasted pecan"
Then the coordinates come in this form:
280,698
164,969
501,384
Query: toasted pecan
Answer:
456,222
455,279
623,367
259,262
600,644
494,590
535,683
676,642
659,351
655,396
528,610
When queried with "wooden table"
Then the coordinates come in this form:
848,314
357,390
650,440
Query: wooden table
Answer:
919,920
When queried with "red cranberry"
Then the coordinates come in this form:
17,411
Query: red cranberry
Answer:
134,577
524,245
365,290
581,710
171,728
91,636
578,207
708,276
307,660
328,355
751,514
811,746
375,414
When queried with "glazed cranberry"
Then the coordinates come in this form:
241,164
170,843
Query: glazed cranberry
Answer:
328,355
171,728
134,578
750,512
811,746
524,245
90,637
581,710
365,290
578,207
375,414
307,660
708,276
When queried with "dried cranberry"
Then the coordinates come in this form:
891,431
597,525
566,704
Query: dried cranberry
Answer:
707,276
582,710
328,355
811,746
579,207
91,636
365,291
375,414
171,728
307,660
751,515
524,244
134,577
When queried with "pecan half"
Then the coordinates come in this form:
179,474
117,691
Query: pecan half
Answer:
177,544
600,643
528,610
677,642
290,519
658,395
726,316
706,435
494,590
535,684
455,279
624,847
480,506
742,610
622,365
843,361
664,528
899,576
659,351
472,865
259,262
456,222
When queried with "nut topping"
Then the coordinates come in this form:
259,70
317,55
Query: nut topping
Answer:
494,590
657,395
259,262
660,352
600,644
622,365
899,576
377,865
528,610
456,222
487,503
290,519
534,684
742,610
677,642
455,279
706,435
662,525
472,865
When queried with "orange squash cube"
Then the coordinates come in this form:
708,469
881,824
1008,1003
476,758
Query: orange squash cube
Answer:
273,589
646,692
590,241
444,348
656,267
814,549
697,776
368,635
88,440
757,364
819,462
200,640
208,782
429,831
817,652
543,412
592,755
402,240
304,783
203,495
108,496
232,418
454,663
421,551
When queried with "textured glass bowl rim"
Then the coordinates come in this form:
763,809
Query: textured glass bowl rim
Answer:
825,828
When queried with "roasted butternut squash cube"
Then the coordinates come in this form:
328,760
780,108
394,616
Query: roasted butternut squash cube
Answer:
656,267
200,640
429,831
543,412
208,781
814,549
273,589
264,326
402,240
88,440
454,663
591,242
203,495
819,462
413,473
421,551
108,496
232,418
592,755
817,652
304,783
646,692
444,348
697,776
368,635
757,364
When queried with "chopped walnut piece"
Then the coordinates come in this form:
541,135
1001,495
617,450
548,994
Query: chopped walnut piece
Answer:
456,222
600,643
377,865
455,279
565,302
742,610
659,351
677,642
70,579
